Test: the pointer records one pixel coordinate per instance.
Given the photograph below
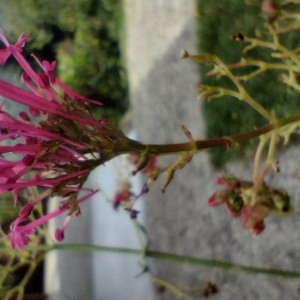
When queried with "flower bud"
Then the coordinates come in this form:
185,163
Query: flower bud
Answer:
201,58
234,205
23,115
59,234
270,10
28,160
281,201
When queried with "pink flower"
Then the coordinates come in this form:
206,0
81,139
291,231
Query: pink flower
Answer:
21,228
213,201
54,146
19,237
18,47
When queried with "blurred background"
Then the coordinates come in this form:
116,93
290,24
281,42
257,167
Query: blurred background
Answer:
126,54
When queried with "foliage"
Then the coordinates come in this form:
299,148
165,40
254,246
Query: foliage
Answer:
84,38
216,25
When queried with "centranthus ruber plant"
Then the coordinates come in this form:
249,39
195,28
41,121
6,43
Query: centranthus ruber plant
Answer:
56,143
52,146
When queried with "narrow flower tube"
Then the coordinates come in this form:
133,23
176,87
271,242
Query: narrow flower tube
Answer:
20,233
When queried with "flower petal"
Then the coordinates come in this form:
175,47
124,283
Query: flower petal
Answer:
212,201
4,55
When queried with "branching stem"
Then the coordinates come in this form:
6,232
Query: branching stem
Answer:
226,141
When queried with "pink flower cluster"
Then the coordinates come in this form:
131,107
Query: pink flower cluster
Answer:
53,145
252,204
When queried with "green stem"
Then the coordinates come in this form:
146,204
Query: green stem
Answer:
257,158
175,258
226,141
243,95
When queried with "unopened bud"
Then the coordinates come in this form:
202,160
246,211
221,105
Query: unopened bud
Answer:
258,228
281,201
142,163
59,234
145,189
270,9
202,58
28,160
23,115
26,211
